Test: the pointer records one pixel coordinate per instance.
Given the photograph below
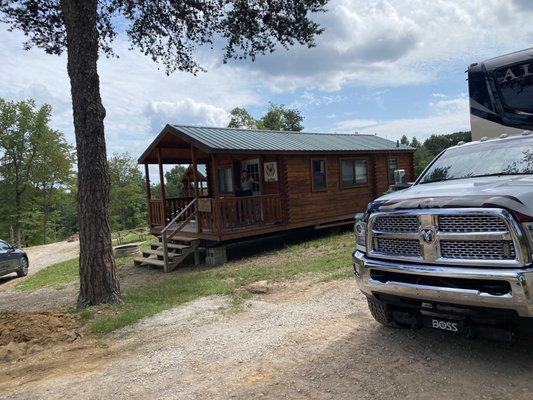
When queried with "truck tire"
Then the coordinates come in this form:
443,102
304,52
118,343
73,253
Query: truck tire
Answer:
380,311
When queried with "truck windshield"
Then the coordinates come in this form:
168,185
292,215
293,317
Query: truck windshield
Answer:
513,157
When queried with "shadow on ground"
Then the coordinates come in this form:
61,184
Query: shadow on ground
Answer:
372,361
7,278
256,246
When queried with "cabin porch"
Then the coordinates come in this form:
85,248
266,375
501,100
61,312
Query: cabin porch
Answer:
216,219
212,207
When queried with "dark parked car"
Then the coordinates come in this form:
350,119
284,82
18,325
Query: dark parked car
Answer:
12,259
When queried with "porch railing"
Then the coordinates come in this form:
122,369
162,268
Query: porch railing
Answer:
221,215
246,212
156,212
175,205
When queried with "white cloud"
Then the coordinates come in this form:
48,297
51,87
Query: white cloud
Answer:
399,42
131,86
351,125
381,44
186,112
445,116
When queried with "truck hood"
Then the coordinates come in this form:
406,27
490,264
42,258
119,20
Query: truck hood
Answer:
513,193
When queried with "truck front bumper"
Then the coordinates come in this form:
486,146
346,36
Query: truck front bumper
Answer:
519,298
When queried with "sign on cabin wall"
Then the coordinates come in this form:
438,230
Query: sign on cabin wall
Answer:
271,171
204,205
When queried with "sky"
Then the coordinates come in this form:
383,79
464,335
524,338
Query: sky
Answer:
381,67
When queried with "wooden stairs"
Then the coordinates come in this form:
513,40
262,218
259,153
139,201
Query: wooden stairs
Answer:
170,250
178,248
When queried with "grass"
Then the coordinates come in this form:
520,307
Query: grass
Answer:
60,274
128,236
329,257
54,275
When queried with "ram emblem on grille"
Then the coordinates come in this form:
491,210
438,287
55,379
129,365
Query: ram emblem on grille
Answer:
427,235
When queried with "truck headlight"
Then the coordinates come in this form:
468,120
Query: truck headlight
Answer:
360,232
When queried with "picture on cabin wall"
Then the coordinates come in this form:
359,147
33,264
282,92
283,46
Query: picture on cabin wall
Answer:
271,171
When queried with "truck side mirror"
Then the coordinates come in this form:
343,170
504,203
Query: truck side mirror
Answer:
399,177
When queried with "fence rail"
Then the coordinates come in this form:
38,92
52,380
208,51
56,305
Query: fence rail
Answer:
222,215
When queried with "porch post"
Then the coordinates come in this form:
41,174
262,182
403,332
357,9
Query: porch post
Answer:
194,171
147,178
148,193
215,196
195,177
162,185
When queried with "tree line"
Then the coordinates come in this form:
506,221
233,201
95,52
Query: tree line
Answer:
38,183
432,146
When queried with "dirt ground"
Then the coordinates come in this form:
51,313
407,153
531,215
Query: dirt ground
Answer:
303,339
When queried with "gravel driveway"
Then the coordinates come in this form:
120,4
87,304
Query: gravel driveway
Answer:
48,254
42,256
302,340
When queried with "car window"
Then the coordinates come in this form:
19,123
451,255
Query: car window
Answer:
3,246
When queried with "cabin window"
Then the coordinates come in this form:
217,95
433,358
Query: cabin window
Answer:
319,174
225,180
354,172
393,166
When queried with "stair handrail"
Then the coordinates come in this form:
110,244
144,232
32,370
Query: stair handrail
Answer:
183,211
164,238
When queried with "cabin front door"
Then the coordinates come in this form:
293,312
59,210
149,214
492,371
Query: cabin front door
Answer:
252,166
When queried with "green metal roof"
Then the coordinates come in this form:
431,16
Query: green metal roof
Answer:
262,140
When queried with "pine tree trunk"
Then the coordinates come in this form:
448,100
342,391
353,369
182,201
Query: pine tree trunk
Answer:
98,280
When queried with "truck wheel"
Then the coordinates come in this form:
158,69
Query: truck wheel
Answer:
380,312
23,268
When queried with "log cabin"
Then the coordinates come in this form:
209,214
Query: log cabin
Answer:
299,180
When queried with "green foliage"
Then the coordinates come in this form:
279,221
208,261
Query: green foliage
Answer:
277,118
35,169
437,143
433,146
404,140
170,32
173,181
422,158
240,118
415,143
127,197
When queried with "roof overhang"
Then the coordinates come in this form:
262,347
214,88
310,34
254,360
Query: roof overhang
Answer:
174,147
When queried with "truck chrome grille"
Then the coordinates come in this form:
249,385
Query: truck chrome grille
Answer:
478,250
471,223
402,247
397,224
473,237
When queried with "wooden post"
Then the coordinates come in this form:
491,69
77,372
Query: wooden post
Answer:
165,250
162,185
148,192
195,178
215,195
147,177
